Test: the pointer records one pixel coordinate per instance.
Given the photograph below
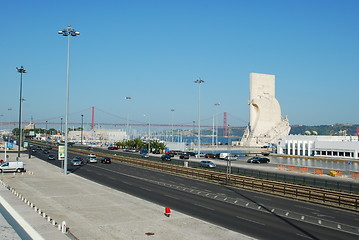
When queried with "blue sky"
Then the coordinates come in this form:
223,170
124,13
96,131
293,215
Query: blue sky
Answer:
153,51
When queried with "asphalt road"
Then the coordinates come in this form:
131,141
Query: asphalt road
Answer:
258,215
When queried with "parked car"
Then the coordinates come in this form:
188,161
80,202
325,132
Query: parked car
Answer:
51,157
258,160
184,156
209,155
177,152
191,154
112,148
77,161
105,160
170,153
207,164
156,151
165,157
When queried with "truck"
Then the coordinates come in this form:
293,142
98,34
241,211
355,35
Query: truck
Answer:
12,166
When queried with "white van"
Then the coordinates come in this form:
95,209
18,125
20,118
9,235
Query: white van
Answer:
12,167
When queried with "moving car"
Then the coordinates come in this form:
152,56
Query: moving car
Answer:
165,157
77,161
145,155
105,160
91,158
51,157
258,160
207,164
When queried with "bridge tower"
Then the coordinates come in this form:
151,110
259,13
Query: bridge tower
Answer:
225,125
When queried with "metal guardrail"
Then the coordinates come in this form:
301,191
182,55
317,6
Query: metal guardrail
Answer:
305,193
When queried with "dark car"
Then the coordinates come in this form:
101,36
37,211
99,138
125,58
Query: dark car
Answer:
170,153
184,156
112,148
45,151
177,152
51,157
165,157
105,160
156,151
191,153
258,160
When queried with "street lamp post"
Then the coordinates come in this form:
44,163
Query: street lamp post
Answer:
172,110
67,32
82,127
149,132
199,81
216,121
128,118
20,70
61,127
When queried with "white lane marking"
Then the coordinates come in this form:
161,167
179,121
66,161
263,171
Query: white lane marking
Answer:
304,236
171,197
248,220
198,205
307,208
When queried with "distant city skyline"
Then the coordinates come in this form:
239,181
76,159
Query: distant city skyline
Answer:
136,58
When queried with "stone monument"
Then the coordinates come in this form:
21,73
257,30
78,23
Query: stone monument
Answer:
266,124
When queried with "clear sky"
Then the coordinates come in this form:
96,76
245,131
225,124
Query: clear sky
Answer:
153,51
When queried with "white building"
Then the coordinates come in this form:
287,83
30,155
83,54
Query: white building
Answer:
98,136
266,124
323,146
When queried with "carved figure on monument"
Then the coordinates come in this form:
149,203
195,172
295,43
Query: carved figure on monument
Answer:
266,124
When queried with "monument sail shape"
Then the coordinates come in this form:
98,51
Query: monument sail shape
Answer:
266,124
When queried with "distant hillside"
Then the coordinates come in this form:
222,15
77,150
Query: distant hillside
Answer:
334,130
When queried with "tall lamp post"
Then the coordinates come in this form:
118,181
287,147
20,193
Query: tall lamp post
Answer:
61,127
216,121
67,32
173,111
20,70
82,127
128,118
149,132
199,81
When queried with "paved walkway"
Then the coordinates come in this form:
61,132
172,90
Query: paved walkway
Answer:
91,210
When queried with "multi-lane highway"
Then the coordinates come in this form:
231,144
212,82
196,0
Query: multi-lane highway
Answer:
258,215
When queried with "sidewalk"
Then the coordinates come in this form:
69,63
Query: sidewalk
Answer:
94,211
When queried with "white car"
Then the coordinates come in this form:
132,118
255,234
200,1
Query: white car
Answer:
91,158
